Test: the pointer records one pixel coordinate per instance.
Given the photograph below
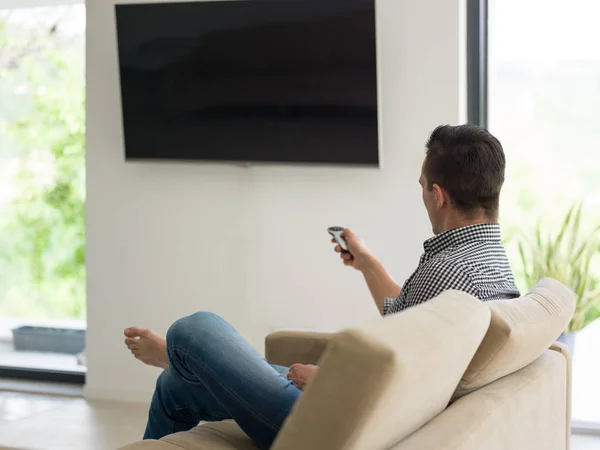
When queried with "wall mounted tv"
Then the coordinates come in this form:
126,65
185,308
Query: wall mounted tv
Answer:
250,80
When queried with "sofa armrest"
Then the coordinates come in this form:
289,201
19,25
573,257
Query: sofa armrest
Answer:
285,348
561,348
564,350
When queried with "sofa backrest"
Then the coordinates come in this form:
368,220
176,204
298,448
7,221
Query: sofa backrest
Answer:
520,331
379,383
523,410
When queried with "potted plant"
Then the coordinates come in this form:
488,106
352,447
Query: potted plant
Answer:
567,256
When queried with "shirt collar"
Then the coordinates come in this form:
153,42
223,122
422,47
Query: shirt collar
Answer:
487,232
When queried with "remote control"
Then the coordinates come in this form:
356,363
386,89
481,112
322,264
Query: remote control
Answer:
335,232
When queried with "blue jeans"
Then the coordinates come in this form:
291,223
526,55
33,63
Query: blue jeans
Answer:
214,374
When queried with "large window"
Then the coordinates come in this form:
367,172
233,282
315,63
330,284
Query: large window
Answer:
42,188
544,105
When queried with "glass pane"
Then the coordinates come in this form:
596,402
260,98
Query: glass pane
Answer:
42,189
544,105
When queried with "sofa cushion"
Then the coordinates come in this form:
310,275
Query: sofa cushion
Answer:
225,435
522,411
379,383
520,331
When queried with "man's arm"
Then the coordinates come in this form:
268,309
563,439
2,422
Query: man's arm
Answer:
378,280
380,283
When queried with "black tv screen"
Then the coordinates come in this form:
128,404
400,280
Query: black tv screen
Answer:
250,80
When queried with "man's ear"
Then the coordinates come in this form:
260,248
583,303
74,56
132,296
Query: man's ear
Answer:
440,195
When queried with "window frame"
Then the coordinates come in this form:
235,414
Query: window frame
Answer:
477,62
26,373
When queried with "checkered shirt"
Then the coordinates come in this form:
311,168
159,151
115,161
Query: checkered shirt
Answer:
471,259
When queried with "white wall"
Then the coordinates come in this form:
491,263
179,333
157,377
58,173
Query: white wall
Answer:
9,4
169,239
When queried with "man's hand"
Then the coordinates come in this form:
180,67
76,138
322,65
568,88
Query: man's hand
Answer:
300,374
359,256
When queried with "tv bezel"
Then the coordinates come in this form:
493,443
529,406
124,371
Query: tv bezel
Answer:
249,163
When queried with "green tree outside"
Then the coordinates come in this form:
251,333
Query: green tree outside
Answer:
42,137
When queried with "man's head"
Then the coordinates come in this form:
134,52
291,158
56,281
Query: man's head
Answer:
462,176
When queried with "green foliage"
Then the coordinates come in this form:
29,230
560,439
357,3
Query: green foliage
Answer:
568,257
43,229
50,216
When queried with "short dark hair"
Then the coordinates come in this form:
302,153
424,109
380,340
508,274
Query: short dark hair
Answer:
469,163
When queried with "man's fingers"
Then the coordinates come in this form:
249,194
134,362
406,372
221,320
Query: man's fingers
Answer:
338,249
291,374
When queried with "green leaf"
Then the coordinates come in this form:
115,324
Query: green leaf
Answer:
45,222
546,256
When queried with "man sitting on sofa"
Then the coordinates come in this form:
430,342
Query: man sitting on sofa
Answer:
211,373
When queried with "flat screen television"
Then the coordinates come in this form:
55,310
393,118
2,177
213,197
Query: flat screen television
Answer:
250,80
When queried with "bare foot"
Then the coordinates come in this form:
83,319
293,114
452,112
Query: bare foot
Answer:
147,346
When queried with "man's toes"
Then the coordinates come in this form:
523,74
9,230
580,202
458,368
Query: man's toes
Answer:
129,332
133,332
132,341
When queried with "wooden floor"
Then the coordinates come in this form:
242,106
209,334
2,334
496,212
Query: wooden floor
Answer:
38,421
47,422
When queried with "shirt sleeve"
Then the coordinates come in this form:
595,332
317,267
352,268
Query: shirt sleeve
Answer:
437,277
388,302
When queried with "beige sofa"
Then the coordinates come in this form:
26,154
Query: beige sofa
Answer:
451,374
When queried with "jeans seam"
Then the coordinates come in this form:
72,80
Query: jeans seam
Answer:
226,389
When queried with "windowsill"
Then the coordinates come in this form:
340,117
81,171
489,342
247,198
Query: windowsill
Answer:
41,387
9,357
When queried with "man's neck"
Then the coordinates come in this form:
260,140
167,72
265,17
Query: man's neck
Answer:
459,221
